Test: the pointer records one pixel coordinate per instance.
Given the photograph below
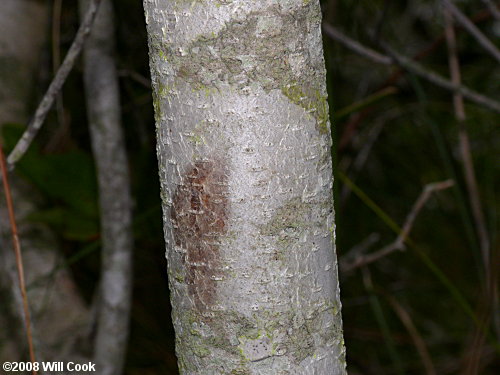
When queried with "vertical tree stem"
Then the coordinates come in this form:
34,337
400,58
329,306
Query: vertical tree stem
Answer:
243,143
108,145
465,151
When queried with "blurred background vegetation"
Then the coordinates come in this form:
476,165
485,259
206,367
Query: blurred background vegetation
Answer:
425,310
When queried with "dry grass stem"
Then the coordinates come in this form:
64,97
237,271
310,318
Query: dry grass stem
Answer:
465,151
19,259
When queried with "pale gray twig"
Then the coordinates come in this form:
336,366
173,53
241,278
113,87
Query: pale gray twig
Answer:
358,250
55,86
465,150
473,30
412,67
102,94
419,342
356,46
398,243
469,172
493,9
442,82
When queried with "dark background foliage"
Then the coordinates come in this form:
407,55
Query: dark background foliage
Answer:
414,138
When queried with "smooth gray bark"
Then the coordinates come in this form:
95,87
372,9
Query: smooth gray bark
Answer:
108,145
243,142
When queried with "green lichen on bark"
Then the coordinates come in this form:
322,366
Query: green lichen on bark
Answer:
301,343
309,333
261,50
207,333
163,90
313,102
244,52
289,222
265,51
290,217
292,333
296,334
157,108
241,371
184,3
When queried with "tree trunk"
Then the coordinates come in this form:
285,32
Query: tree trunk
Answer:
115,203
243,141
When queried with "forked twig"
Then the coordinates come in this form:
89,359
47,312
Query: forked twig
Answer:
358,250
398,243
355,121
19,259
472,29
55,86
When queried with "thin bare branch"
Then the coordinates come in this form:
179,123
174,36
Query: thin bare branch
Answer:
472,29
472,188
55,86
442,82
19,259
355,121
398,243
358,250
412,67
355,46
419,342
493,9
465,150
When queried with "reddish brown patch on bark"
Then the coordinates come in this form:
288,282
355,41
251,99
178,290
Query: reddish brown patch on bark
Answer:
199,214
